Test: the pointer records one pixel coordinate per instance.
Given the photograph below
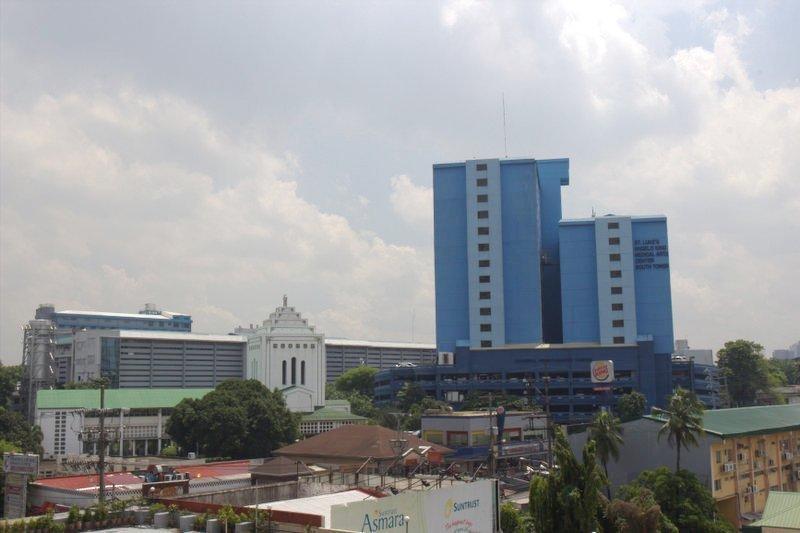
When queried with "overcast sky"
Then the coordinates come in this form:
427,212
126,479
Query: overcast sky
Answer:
212,156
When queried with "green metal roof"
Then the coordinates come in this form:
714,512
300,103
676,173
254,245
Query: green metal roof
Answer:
326,413
781,511
740,421
115,398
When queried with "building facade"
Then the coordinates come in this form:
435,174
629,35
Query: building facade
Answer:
286,353
496,251
342,355
328,418
70,424
701,356
158,359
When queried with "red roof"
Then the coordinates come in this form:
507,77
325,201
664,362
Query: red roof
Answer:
89,481
221,469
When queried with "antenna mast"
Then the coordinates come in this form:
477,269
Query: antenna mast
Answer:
505,138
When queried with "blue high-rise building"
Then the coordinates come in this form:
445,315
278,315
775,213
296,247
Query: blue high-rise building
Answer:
497,252
524,297
615,286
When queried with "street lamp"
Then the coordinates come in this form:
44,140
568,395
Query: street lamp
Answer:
406,519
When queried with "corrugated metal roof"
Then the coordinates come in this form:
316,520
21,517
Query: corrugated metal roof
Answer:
380,344
178,336
756,420
327,413
115,398
781,511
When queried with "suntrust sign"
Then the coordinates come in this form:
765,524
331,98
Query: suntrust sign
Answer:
464,508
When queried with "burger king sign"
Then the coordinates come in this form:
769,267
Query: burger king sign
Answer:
602,371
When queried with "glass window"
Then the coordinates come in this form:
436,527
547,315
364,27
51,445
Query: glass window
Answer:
616,273
484,279
486,311
616,290
283,372
484,263
613,240
302,372
480,166
613,225
481,182
614,257
486,344
483,230
619,340
483,214
486,327
485,295
294,370
483,198
618,323
616,307
483,247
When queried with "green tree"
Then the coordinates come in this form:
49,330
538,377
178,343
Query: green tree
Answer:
631,406
684,422
606,432
479,401
746,371
18,432
240,418
78,385
360,380
413,420
789,368
511,519
569,498
409,394
10,377
683,499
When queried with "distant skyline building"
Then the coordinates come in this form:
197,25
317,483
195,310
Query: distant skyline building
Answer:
342,355
702,356
793,352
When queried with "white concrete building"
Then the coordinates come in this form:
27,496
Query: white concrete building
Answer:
702,356
288,354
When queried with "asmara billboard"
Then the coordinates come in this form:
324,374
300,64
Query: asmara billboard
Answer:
465,508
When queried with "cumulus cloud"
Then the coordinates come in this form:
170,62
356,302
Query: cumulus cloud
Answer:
413,203
111,200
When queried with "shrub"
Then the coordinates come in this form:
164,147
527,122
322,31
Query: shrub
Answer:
74,515
88,516
169,451
157,508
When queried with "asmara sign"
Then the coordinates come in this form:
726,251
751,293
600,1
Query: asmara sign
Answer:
465,508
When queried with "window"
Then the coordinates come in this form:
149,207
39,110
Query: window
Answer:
486,327
302,372
613,225
312,346
294,370
486,344
283,372
483,214
485,295
484,263
290,346
719,456
274,345
717,484
616,273
619,340
616,307
614,257
483,247
483,230
486,311
484,279
283,346
613,240
482,182
480,166
483,198
305,346
617,323
616,290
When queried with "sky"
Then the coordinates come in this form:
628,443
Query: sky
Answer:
213,156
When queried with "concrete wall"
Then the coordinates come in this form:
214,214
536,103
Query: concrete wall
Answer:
643,450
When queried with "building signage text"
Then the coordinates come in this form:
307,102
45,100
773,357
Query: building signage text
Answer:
650,254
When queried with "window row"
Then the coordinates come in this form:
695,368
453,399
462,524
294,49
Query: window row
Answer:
294,372
283,345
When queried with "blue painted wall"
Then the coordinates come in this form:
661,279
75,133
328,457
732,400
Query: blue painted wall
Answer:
450,258
522,286
553,174
579,283
652,278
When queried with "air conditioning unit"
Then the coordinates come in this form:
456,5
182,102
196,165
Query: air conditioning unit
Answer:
728,467
797,475
759,453
787,455
740,457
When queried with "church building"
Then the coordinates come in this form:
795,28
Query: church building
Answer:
287,354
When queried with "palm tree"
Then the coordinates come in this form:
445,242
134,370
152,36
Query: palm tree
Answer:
606,432
684,421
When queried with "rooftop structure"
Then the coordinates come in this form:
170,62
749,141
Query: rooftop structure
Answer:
781,514
746,421
328,418
317,505
345,354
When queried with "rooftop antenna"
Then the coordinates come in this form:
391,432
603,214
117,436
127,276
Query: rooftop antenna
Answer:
593,213
505,138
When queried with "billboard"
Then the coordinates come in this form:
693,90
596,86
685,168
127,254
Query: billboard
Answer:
464,508
21,463
602,371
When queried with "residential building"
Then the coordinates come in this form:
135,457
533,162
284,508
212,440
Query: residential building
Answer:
342,355
701,356
745,454
69,418
328,418
286,353
158,359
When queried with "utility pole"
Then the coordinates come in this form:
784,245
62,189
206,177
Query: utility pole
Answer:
102,438
546,380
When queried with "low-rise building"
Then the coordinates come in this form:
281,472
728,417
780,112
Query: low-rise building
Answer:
744,454
781,514
328,418
69,420
460,429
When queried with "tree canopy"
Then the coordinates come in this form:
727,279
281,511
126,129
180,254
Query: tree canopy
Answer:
9,378
606,433
239,419
359,380
683,499
631,406
17,432
745,370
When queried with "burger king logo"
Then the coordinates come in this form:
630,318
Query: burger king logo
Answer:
602,371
